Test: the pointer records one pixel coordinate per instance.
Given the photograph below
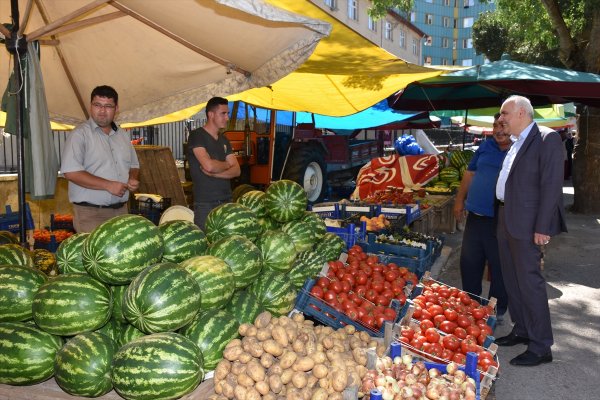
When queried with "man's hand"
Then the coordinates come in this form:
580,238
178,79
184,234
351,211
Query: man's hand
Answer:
133,184
116,188
459,212
541,239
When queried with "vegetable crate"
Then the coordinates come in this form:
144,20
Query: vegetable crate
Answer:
149,208
351,211
61,222
327,210
351,233
51,246
410,211
316,308
10,220
415,259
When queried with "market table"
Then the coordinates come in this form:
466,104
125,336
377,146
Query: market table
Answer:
438,218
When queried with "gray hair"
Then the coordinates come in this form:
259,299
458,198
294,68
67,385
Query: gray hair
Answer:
522,102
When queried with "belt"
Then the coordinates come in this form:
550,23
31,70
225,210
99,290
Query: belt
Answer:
113,206
479,216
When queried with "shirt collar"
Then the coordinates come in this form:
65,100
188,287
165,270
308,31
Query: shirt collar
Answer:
524,133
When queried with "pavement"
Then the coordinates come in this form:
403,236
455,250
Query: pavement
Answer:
572,272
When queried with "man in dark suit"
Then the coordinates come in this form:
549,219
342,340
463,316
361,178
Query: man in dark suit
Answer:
529,190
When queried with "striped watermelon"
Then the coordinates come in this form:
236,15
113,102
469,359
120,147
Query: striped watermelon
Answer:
244,306
285,200
302,234
461,170
18,286
231,219
330,246
211,332
127,333
278,251
71,304
274,292
14,254
68,254
7,237
254,200
240,190
182,240
112,329
459,158
118,293
215,279
82,366
449,174
120,248
308,264
163,297
242,256
267,223
163,365
318,225
26,353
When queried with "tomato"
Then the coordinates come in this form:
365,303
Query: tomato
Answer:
426,315
438,319
473,330
450,314
317,291
349,278
447,354
444,292
323,282
447,326
432,335
360,290
407,332
389,314
368,320
371,295
391,276
331,274
451,342
361,278
352,312
382,300
486,330
342,297
481,323
330,296
435,310
485,354
459,358
463,321
432,298
360,311
404,339
436,349
394,267
481,339
377,285
484,364
418,342
426,324
379,319
345,284
468,345
460,333
478,313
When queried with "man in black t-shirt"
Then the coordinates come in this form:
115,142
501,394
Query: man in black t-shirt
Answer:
212,162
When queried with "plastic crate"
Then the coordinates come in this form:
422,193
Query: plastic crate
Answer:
51,246
327,210
150,209
352,211
372,246
10,220
351,233
56,225
416,260
316,308
410,212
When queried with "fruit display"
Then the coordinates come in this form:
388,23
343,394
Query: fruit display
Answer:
376,224
409,238
45,261
14,254
232,219
7,237
214,278
68,254
285,201
18,285
45,236
182,240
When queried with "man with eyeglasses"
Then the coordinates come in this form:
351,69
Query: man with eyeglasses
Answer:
476,200
100,164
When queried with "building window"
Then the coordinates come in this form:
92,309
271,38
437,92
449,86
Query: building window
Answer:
446,22
413,16
455,23
444,61
331,4
372,24
402,38
428,60
429,19
467,22
468,3
415,48
428,41
428,1
388,30
353,9
445,42
467,63
447,2
467,43
454,44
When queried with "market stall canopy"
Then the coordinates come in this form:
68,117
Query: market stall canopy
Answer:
161,56
55,126
490,84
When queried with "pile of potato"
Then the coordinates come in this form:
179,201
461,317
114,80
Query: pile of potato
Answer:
291,359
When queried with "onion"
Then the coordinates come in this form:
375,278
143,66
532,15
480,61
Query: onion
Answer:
388,372
418,390
387,394
397,360
432,392
380,380
451,368
406,392
459,377
434,373
367,385
470,394
407,359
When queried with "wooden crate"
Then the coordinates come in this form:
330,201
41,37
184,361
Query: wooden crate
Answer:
158,173
444,220
425,223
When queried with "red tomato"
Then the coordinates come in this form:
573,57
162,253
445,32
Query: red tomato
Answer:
460,333
451,342
463,321
436,349
481,339
329,296
323,282
349,278
345,284
371,295
459,358
389,314
481,323
360,290
382,300
418,342
435,309
432,335
391,276
392,266
450,314
379,319
377,285
467,345
438,319
407,332
426,324
426,315
404,339
478,313
447,354
368,320
342,297
418,313
473,330
447,326
352,312
317,291
486,330
484,364
401,297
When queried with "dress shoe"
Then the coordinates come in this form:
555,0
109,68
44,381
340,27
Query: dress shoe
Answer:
530,359
511,339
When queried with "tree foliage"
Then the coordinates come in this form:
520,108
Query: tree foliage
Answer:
379,8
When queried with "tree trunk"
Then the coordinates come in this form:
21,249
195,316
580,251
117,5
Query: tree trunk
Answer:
586,162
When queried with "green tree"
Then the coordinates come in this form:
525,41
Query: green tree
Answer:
379,8
563,33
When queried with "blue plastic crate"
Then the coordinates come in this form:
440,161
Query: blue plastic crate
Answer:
327,210
52,246
316,308
351,211
410,212
417,265
10,220
351,233
372,246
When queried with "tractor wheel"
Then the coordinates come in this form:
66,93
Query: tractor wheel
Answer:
305,165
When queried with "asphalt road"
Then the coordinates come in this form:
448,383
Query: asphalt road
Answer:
572,272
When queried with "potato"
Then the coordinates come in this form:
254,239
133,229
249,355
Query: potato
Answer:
267,360
325,383
364,336
232,379
262,320
256,350
362,371
299,379
287,359
243,329
353,378
228,391
219,386
275,368
240,392
320,394
298,317
312,381
320,371
272,347
255,371
350,329
223,368
360,356
275,383
245,380
280,335
318,356
286,376
252,394
263,334
335,396
234,343
303,364
339,380
270,396
298,346
232,353
262,387
328,342
237,368
293,394
380,350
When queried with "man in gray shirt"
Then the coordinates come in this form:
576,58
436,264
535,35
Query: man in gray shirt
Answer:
100,164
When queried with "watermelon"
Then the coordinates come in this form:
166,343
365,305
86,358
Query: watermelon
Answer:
118,292
285,200
82,366
215,279
182,240
318,225
18,286
163,297
443,160
330,246
274,292
112,329
278,251
71,304
163,365
7,237
120,248
254,200
127,333
211,332
459,158
244,306
26,353
461,170
308,264
14,254
240,190
449,174
231,219
454,185
267,223
302,234
242,256
68,254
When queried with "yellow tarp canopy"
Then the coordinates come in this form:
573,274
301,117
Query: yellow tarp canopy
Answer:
345,74
55,126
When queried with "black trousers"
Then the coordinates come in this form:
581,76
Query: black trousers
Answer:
478,246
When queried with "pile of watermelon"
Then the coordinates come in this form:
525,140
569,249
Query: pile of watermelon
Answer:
452,167
146,310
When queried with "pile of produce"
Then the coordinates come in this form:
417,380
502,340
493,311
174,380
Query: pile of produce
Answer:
409,238
394,196
293,359
375,224
45,235
146,309
452,168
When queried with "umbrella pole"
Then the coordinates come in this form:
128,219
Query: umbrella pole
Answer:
465,128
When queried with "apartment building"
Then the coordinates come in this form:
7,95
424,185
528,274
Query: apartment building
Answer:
394,33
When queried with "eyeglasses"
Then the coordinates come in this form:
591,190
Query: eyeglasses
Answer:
105,106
